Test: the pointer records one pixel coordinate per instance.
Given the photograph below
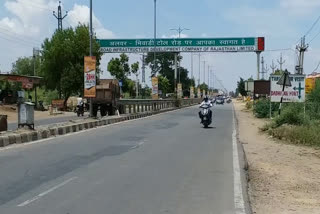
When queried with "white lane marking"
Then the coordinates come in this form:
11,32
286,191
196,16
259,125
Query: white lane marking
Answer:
138,145
237,186
46,192
15,146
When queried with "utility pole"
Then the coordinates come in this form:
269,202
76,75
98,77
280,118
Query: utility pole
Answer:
155,37
199,69
273,67
179,30
204,71
191,65
281,62
143,71
258,64
301,48
262,66
91,34
59,17
36,52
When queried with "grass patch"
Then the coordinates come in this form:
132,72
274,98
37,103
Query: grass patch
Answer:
308,135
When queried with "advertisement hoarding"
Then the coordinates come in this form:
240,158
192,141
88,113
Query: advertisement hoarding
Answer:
90,76
155,88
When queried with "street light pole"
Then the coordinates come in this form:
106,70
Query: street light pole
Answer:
179,30
91,34
155,36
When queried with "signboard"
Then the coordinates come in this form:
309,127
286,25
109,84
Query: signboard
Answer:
57,104
261,87
249,85
294,93
89,76
245,44
199,93
310,84
155,88
191,92
179,90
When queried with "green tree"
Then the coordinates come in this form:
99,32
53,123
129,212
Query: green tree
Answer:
165,67
204,86
119,67
241,87
63,60
24,66
164,84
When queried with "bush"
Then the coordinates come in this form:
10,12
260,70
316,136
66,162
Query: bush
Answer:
291,114
249,105
262,108
308,135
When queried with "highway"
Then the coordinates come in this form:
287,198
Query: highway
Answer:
166,163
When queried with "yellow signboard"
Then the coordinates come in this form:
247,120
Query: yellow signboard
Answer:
89,76
155,88
199,93
179,90
191,92
310,84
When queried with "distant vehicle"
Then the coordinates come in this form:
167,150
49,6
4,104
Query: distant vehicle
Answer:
107,97
220,101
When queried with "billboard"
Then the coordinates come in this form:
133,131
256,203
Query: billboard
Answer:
179,90
90,76
293,93
191,92
155,88
310,84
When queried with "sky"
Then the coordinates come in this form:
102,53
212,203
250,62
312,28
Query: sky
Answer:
24,24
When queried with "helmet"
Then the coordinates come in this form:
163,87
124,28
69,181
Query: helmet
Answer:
206,98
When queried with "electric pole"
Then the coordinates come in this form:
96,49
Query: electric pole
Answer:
262,68
301,48
281,62
204,71
143,71
59,17
273,67
199,69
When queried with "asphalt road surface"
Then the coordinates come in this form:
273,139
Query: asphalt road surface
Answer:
47,121
162,164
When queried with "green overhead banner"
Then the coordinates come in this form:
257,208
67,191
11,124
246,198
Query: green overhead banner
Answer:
246,44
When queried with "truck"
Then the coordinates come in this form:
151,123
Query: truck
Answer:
107,97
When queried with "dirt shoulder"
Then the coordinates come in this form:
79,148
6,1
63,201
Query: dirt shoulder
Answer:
11,112
283,178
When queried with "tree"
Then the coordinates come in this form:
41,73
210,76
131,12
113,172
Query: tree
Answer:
63,60
119,67
241,87
134,70
165,67
204,86
164,84
25,66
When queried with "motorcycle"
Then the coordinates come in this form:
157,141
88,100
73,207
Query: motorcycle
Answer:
80,110
206,115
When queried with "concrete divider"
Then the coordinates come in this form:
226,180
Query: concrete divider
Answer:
29,136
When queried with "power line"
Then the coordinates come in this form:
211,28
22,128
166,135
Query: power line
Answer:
16,38
18,35
314,37
283,49
314,24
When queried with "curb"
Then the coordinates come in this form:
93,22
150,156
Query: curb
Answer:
244,165
36,135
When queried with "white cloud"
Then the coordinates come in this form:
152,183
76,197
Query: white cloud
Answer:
81,14
182,35
300,7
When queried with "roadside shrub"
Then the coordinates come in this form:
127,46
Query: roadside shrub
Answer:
308,135
261,108
249,105
291,114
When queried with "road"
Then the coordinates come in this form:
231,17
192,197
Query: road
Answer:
166,163
47,121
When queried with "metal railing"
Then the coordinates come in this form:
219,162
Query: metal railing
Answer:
129,106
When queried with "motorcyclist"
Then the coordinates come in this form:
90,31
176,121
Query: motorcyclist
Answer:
80,103
205,102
